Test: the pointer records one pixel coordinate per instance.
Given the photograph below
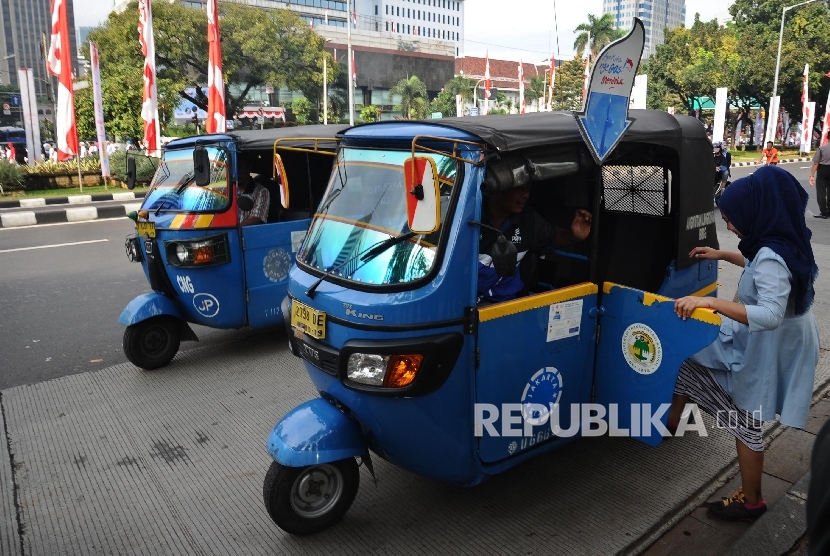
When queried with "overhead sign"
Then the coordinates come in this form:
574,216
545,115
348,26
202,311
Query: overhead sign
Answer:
605,117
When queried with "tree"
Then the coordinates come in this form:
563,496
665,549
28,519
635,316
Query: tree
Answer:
259,47
596,34
444,103
413,95
301,109
567,92
538,87
460,85
370,114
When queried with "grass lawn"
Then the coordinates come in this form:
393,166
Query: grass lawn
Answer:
754,156
69,191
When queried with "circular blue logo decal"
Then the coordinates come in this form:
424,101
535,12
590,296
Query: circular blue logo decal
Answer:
543,388
206,304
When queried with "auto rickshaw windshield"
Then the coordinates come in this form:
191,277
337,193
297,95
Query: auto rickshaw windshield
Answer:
174,187
366,204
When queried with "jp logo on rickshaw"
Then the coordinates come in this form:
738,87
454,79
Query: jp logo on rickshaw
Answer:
642,348
543,389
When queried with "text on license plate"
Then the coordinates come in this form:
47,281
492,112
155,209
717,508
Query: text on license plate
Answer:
146,228
310,320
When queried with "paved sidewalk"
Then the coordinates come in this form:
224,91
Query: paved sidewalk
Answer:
781,161
122,461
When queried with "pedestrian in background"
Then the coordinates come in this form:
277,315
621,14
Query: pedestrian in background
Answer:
764,360
820,177
770,154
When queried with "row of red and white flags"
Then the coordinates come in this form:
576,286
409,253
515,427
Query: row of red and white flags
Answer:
60,65
488,83
808,114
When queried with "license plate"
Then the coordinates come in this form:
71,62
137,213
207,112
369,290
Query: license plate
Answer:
146,229
312,322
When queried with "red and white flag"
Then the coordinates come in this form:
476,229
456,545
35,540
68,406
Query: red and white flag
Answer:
552,82
586,78
149,106
806,132
487,82
354,67
216,86
99,110
327,16
521,88
60,65
354,17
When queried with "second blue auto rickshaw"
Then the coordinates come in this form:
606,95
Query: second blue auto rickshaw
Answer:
202,265
382,304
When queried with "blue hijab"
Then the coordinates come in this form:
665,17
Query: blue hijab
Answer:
768,207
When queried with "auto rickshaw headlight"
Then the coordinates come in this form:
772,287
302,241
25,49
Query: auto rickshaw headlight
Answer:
367,368
182,253
391,371
206,251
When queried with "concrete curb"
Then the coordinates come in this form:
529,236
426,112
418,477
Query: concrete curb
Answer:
77,214
70,200
739,164
780,528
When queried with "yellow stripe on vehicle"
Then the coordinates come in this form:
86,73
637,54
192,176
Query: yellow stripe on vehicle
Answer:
531,302
177,221
703,315
203,221
703,292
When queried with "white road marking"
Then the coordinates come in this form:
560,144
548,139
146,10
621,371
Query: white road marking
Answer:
805,167
55,245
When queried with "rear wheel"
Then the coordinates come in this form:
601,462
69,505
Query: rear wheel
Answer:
306,500
152,343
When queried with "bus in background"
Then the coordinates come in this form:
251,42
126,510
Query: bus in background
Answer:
17,137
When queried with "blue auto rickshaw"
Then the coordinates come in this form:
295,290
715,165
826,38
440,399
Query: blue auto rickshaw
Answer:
382,303
202,266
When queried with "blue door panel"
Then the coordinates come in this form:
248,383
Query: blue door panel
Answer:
535,350
642,344
270,251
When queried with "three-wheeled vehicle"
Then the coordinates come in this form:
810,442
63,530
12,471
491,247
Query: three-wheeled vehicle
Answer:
383,301
202,265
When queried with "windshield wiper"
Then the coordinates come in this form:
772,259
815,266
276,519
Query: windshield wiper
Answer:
184,182
365,256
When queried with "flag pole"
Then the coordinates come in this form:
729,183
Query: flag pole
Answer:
80,178
349,57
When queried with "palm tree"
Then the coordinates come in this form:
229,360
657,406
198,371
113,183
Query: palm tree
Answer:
596,34
413,94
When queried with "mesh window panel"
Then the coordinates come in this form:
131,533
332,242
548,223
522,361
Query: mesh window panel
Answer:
636,189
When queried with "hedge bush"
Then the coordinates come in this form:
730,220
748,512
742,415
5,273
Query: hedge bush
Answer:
11,174
145,167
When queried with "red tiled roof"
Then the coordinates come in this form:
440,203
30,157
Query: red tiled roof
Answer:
503,73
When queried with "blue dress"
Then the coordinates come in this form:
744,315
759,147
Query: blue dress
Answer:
767,367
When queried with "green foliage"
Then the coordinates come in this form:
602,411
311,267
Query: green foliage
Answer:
370,114
11,174
301,109
413,95
596,34
259,47
567,91
538,87
460,85
444,103
145,166
88,164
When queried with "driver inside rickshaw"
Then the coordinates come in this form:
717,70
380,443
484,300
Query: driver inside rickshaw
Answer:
528,231
249,186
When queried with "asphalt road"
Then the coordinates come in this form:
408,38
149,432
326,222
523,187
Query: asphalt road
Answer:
62,287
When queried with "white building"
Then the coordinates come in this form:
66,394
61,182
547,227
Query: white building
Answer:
656,16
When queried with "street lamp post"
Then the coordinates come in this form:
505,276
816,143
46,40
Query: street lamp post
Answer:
475,89
781,40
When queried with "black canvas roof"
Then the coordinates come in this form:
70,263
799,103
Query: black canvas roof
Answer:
509,133
264,139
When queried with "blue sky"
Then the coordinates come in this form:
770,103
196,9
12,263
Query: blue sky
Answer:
510,30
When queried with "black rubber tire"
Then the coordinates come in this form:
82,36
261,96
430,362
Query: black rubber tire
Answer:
152,343
280,482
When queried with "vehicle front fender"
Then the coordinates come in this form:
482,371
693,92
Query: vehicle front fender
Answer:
148,305
315,432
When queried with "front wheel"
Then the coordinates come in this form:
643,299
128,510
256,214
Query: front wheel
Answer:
152,343
306,500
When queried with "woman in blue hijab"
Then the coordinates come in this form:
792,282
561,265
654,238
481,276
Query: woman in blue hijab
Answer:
763,362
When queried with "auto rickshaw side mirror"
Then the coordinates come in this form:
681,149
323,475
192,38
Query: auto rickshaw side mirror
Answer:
282,180
423,195
131,172
201,166
505,257
245,202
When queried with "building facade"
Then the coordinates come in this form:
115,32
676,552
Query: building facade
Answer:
657,16
24,24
